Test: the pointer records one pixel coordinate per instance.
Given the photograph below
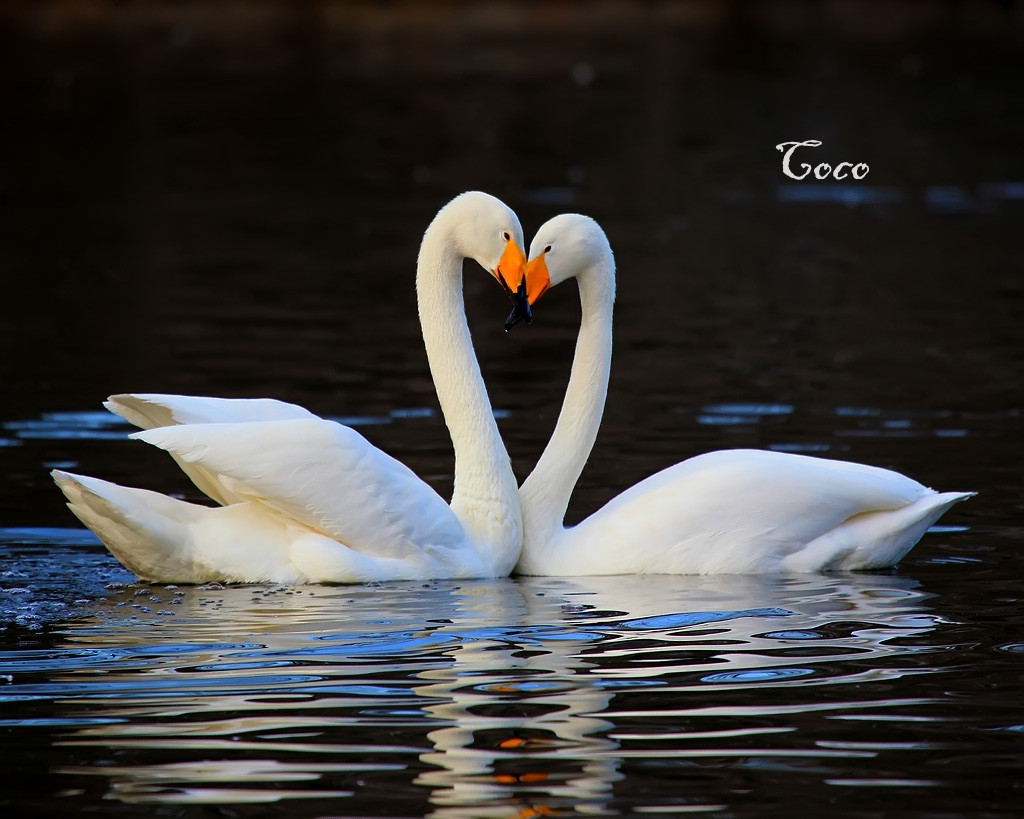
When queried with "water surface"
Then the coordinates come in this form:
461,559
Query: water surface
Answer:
231,205
601,695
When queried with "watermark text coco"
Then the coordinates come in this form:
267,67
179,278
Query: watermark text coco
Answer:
822,170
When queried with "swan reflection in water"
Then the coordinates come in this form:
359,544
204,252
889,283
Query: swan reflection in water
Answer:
486,698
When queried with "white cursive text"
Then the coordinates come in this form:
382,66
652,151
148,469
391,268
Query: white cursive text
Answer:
821,171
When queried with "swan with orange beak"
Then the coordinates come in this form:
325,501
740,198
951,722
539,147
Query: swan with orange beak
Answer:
739,511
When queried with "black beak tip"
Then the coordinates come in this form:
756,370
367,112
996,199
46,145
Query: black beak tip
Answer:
517,315
520,307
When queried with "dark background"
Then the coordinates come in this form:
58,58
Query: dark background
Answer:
227,197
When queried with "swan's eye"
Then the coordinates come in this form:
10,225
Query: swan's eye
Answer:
506,236
547,249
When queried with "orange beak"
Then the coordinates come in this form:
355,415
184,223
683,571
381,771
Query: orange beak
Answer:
511,267
531,282
537,279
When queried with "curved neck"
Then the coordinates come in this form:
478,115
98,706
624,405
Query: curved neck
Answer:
545,493
485,497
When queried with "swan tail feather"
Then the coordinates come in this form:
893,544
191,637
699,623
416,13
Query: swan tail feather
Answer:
146,531
874,540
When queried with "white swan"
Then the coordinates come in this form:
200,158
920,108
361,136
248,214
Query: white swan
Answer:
309,500
732,511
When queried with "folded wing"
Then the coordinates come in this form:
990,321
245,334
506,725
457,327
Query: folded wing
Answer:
746,511
152,410
149,410
320,474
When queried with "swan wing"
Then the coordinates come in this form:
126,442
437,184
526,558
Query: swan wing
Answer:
770,487
149,410
166,540
324,476
747,511
152,410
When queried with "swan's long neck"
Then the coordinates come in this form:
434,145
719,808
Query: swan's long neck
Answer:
485,497
545,493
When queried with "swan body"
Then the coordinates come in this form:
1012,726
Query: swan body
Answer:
304,499
731,511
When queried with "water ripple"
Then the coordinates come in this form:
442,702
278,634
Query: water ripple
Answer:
475,690
85,425
682,620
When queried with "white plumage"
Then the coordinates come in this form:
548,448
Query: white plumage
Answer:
733,511
309,500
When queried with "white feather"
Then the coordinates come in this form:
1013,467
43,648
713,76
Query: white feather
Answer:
309,500
733,511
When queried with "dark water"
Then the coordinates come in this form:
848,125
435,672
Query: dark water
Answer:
227,199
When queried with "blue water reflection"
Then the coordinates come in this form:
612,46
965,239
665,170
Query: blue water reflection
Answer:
511,694
95,425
